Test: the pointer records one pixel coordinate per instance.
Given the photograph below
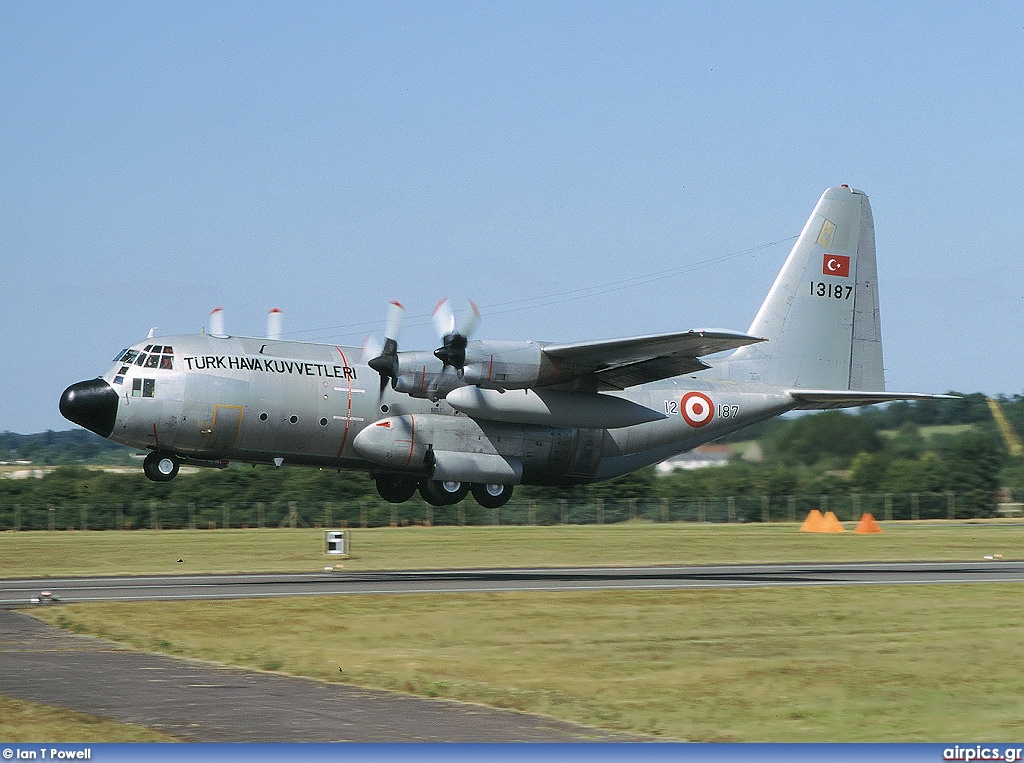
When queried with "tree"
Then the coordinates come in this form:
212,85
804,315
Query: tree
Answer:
832,436
972,461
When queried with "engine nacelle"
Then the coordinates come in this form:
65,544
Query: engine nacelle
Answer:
507,365
440,447
419,374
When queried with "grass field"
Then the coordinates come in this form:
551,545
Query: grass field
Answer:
158,552
875,663
30,722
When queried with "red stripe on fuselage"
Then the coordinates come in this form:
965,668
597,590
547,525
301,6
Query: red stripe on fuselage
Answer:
348,412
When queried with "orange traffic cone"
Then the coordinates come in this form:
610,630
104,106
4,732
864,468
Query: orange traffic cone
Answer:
832,524
815,523
867,525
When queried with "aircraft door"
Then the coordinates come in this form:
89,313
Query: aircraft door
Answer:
213,421
224,429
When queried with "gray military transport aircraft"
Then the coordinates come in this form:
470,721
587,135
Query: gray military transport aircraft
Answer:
483,416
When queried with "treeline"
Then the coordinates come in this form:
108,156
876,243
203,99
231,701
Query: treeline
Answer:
932,448
51,448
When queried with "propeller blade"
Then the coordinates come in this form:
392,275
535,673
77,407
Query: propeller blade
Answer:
385,361
443,317
372,347
217,321
453,350
274,323
395,312
470,320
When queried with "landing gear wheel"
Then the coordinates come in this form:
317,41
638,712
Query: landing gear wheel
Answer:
161,466
448,493
491,495
395,489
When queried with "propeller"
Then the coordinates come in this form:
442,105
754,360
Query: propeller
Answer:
452,352
386,363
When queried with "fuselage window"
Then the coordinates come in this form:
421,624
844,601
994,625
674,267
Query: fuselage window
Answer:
143,388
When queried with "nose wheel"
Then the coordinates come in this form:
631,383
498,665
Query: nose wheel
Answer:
161,466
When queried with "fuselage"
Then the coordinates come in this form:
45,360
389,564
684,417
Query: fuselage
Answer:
215,399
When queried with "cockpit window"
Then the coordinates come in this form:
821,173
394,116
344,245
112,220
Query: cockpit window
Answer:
159,356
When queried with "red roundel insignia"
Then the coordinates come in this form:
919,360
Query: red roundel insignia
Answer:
697,409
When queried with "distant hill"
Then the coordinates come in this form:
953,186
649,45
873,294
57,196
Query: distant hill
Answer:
54,448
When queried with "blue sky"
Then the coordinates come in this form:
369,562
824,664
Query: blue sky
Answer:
581,170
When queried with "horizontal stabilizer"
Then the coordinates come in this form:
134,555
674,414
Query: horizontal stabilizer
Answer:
824,399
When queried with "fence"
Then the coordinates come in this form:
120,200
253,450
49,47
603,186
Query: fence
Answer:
154,514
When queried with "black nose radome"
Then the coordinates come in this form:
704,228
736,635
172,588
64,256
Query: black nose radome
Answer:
91,404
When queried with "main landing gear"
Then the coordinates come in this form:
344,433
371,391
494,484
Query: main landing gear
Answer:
398,489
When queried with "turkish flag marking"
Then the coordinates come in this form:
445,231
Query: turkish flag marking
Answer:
836,265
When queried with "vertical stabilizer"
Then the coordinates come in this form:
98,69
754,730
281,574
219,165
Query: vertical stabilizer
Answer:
821,316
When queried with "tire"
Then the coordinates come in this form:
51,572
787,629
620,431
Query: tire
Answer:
161,466
492,495
396,489
438,493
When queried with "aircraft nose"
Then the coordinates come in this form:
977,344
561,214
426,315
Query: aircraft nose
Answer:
91,404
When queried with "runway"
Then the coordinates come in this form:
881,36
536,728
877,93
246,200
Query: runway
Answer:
19,592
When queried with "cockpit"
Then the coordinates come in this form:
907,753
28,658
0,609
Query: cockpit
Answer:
151,356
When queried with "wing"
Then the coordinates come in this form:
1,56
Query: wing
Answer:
622,363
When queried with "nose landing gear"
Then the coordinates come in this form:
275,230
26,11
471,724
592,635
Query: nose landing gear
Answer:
161,466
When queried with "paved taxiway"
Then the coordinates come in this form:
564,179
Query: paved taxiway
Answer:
204,702
185,587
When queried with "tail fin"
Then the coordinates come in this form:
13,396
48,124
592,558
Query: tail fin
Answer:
821,316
